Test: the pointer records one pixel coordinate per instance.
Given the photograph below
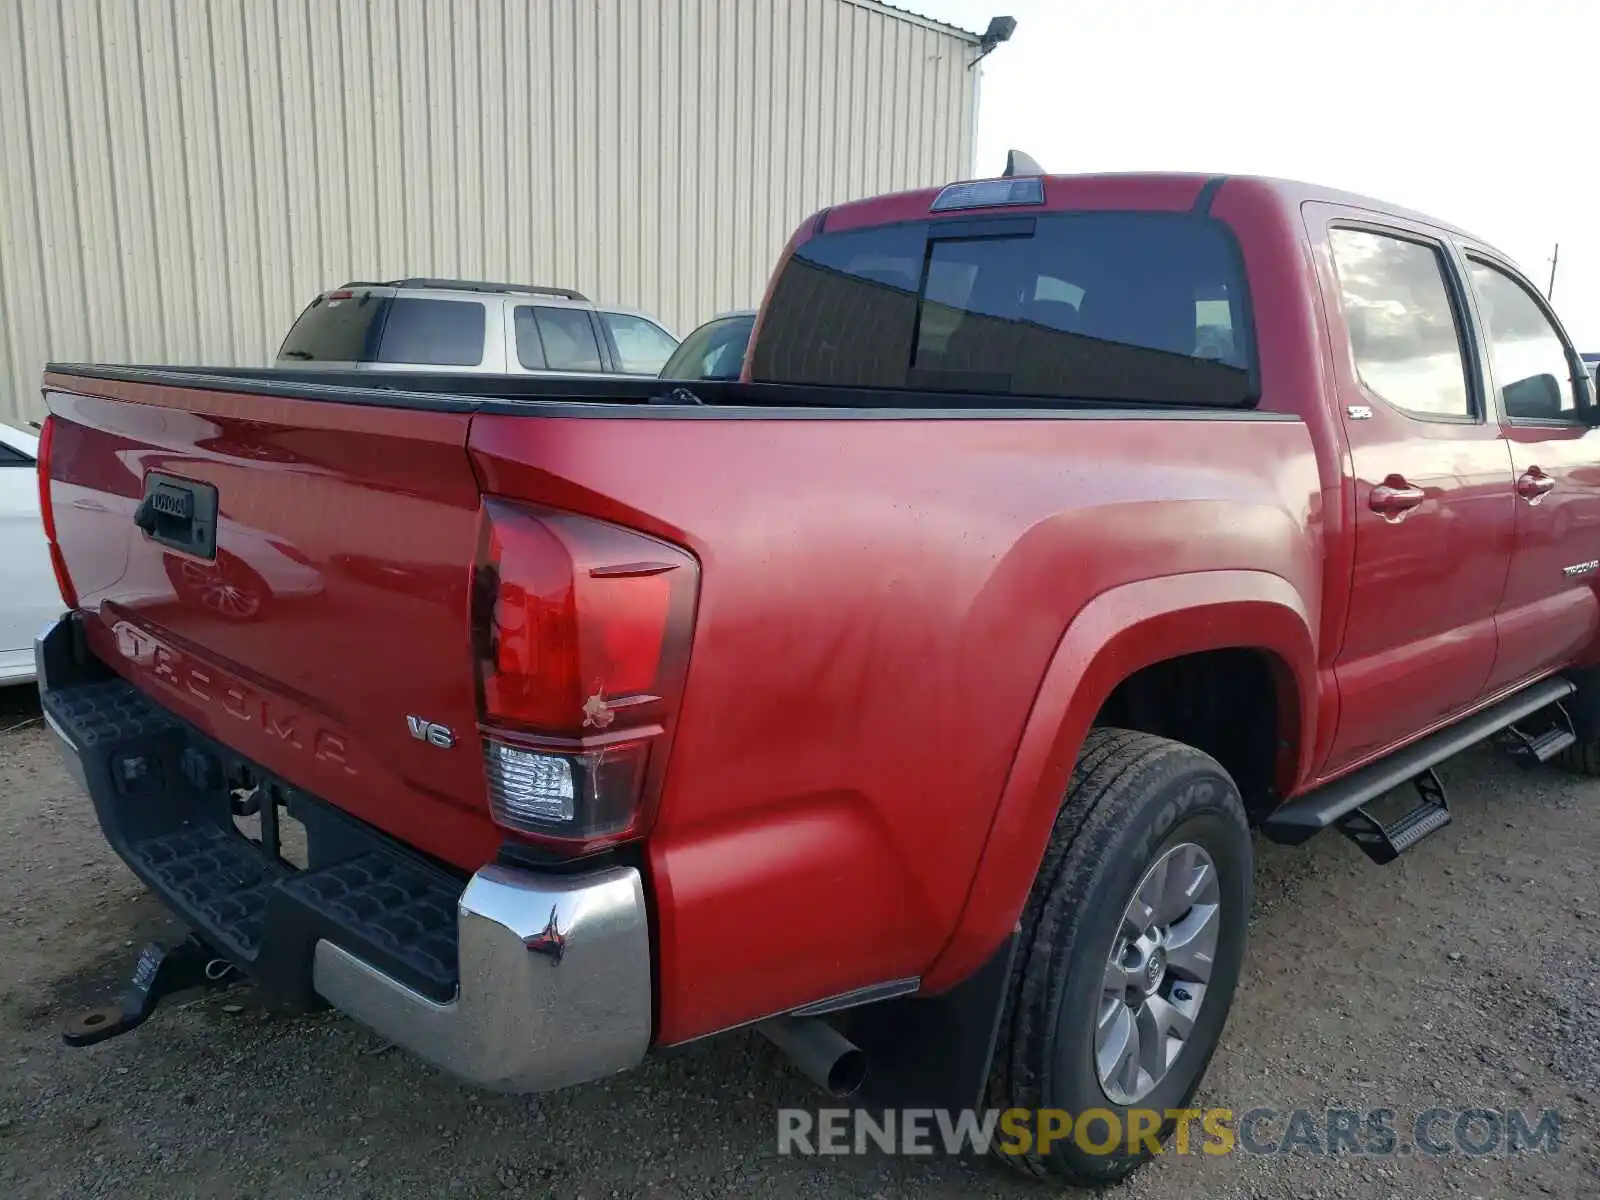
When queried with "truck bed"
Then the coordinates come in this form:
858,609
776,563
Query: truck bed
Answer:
882,586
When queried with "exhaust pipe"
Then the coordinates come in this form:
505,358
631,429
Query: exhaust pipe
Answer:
828,1058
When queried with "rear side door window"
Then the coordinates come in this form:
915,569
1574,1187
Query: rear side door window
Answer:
525,330
555,339
435,333
1532,366
1404,330
642,347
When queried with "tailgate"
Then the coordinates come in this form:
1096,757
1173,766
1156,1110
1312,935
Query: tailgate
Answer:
325,634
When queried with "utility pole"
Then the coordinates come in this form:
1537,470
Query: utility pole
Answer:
1549,292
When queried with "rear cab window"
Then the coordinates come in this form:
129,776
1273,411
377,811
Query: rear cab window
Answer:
1113,306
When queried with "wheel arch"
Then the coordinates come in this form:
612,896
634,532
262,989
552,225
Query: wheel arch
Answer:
1117,635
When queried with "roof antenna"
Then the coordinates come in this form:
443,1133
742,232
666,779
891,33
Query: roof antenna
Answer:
1018,163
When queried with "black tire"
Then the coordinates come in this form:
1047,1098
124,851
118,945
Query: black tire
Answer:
1583,709
1581,758
1133,796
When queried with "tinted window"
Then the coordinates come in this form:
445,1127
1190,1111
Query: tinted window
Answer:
12,457
567,337
1402,324
336,330
438,333
1531,366
530,350
714,351
1112,306
642,346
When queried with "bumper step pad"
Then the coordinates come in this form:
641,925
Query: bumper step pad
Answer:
173,825
557,986
218,874
394,910
100,714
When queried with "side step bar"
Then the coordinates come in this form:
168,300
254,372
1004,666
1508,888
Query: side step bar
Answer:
1315,811
1532,748
1385,843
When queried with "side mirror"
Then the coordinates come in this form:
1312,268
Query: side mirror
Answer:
1536,397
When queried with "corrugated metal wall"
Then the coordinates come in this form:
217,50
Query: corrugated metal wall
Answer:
179,177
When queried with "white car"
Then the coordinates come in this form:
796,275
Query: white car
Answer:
29,596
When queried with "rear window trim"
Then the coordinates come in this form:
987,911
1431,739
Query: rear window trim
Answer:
1248,344
975,229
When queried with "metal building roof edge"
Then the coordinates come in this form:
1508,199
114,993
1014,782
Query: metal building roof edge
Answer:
915,18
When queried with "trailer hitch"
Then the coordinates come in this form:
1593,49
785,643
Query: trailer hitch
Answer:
159,972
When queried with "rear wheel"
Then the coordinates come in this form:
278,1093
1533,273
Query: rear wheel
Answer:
1581,757
1131,947
1583,711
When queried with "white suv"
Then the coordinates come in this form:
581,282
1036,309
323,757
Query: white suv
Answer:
457,325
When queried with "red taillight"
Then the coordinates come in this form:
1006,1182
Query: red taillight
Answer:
47,513
47,437
581,631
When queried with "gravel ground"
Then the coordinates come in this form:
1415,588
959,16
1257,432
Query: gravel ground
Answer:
1463,976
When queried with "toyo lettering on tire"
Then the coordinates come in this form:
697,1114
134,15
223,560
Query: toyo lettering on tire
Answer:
1132,941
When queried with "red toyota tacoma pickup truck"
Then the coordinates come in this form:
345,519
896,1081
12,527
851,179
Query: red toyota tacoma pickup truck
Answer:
913,697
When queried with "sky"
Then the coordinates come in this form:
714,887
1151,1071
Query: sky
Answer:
1486,116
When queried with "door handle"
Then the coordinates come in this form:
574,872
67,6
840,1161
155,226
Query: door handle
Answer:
180,513
1394,498
1533,485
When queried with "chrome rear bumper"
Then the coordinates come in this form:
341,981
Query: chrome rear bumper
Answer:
555,983
553,970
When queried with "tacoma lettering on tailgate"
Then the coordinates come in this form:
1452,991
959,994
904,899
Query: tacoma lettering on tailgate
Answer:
292,726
